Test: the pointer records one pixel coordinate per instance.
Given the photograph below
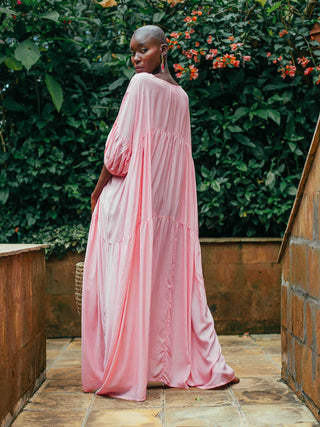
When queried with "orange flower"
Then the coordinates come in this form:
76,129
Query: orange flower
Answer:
212,53
283,32
246,58
190,53
283,73
234,46
218,63
290,70
178,67
197,44
231,38
194,72
303,61
174,35
209,40
187,35
16,229
268,54
308,70
187,19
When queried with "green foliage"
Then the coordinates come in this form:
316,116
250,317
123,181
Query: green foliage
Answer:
64,67
60,239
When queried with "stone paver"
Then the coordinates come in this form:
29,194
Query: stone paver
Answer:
260,399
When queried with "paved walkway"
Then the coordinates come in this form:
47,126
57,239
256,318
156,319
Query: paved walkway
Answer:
260,399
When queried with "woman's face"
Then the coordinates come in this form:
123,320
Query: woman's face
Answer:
145,54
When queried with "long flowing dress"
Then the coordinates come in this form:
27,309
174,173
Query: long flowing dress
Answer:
144,312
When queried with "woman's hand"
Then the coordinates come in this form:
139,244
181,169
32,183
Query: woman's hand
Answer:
105,175
94,200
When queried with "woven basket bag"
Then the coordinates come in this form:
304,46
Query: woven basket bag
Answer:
78,286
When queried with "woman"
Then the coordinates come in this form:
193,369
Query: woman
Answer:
145,315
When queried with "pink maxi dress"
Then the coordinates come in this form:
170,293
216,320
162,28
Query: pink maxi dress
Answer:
144,311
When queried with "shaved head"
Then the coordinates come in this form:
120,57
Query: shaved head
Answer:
149,48
151,32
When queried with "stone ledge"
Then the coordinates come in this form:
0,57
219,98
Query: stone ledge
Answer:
240,239
14,249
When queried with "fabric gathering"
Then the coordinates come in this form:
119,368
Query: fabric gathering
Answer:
144,311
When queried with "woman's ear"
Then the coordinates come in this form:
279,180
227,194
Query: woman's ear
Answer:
164,49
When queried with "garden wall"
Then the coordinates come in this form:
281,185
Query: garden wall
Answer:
242,281
22,326
300,286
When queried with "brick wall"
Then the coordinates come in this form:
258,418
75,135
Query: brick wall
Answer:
242,279
300,294
22,326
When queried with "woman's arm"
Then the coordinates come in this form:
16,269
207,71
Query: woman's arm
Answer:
105,175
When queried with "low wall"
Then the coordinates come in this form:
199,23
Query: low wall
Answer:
61,311
242,280
22,326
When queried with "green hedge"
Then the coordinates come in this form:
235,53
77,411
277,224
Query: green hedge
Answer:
250,70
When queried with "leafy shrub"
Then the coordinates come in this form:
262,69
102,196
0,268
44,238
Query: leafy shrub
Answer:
61,239
64,67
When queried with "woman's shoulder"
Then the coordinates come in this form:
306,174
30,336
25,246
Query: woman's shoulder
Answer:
147,80
140,78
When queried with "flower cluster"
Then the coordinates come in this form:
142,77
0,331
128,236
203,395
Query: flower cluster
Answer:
230,53
189,19
211,54
173,43
234,46
196,12
303,61
225,60
195,49
192,70
283,32
289,69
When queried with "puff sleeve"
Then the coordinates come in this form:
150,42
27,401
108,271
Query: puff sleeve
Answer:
118,148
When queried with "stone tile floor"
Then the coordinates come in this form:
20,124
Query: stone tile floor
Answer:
260,399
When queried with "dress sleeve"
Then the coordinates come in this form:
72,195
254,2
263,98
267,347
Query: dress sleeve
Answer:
119,143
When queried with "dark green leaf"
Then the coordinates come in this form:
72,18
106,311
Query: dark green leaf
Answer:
28,53
55,91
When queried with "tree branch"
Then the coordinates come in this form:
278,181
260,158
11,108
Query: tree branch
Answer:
309,8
